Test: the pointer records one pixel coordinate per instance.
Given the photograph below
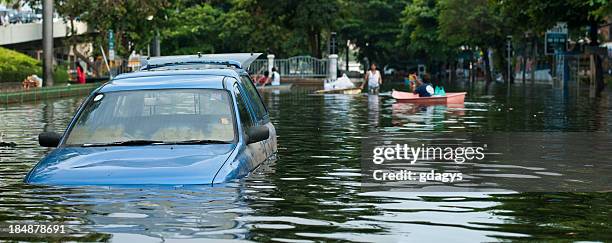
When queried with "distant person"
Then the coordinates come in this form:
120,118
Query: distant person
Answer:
411,81
32,81
264,79
373,79
423,87
80,73
275,77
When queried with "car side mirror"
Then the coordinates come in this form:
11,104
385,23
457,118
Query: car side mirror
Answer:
257,134
49,139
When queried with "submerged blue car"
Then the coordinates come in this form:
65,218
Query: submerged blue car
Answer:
180,120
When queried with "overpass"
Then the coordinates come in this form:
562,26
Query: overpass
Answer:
24,34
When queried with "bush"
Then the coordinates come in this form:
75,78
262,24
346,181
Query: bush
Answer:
15,67
60,74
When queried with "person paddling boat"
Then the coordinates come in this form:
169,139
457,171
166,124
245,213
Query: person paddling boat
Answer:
423,87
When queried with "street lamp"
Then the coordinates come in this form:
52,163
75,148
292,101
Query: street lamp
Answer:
156,45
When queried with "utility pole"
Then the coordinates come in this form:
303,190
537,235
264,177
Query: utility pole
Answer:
156,45
48,42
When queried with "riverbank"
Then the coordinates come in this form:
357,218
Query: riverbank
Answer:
36,94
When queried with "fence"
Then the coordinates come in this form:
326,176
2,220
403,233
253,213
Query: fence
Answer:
299,66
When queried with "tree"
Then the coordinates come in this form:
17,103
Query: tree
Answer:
284,28
373,27
313,18
134,22
419,33
472,23
540,15
258,26
195,29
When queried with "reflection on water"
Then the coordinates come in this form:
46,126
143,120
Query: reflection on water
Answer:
313,191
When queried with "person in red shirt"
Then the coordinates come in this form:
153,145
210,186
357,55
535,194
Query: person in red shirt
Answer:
264,79
80,73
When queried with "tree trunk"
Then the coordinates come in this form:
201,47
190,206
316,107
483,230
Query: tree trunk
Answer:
453,74
502,61
487,67
312,42
534,58
319,54
598,63
524,61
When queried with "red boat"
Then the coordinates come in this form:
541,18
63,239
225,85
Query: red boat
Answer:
449,98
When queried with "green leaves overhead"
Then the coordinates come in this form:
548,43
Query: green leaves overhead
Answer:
389,31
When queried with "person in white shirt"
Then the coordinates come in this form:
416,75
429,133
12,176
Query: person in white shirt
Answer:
275,76
373,79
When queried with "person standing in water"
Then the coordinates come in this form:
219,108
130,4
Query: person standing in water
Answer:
264,79
275,77
373,79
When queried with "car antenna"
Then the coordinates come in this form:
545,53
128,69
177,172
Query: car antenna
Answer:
199,55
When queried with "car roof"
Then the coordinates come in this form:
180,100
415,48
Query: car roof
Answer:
239,60
172,79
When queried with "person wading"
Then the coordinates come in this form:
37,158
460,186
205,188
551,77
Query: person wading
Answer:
275,77
373,79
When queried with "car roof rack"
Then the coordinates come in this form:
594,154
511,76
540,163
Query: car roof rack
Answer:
236,60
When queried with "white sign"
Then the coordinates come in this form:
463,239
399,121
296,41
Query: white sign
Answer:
111,54
561,27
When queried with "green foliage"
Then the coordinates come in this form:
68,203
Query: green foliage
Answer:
285,28
373,26
473,23
419,34
538,15
603,8
197,29
15,67
311,20
60,74
134,22
389,31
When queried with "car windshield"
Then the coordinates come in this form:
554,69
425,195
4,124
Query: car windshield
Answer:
155,116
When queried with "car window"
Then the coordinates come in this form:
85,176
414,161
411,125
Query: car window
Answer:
245,116
170,115
258,105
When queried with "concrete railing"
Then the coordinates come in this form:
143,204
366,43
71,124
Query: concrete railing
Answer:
19,33
299,66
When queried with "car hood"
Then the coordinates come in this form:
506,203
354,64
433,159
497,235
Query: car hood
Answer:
155,164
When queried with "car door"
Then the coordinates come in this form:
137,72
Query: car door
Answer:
262,116
257,151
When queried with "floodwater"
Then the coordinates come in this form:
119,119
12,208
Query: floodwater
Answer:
313,193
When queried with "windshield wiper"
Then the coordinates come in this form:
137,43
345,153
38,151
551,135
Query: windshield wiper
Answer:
199,141
124,143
